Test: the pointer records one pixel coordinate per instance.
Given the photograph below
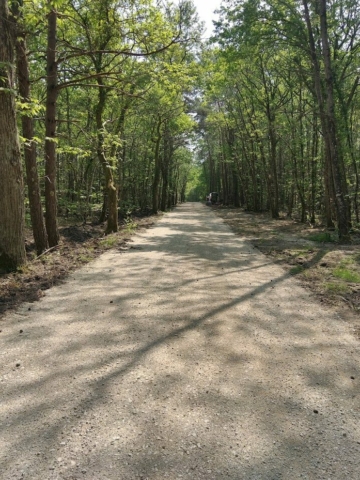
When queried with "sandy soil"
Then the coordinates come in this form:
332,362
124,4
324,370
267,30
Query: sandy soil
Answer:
79,244
318,265
188,355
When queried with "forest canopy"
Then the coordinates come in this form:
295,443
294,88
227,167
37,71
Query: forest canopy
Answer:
110,107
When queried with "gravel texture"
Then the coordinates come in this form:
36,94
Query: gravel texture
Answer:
190,355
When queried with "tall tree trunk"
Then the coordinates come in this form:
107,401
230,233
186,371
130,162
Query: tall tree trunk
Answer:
157,169
165,169
273,177
338,170
235,178
165,188
32,177
12,240
290,200
328,194
50,133
314,170
110,188
328,120
120,153
273,185
328,189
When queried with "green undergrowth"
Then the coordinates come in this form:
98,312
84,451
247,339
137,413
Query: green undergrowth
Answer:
296,270
85,258
322,237
333,273
336,288
347,274
109,241
130,225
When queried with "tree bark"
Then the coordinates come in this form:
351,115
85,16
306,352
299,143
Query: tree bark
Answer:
273,186
235,177
12,240
157,170
32,177
332,133
328,120
314,170
110,189
273,176
50,133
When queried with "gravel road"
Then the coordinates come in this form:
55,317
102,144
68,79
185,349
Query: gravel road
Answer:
187,356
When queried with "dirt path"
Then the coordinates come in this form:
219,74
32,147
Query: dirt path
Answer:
188,356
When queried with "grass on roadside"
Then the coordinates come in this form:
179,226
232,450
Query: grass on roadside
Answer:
336,288
296,270
346,274
343,276
109,241
84,258
312,255
131,226
322,237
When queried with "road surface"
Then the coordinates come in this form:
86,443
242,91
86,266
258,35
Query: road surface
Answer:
190,355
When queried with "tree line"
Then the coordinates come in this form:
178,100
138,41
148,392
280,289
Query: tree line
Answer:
280,120
93,109
103,103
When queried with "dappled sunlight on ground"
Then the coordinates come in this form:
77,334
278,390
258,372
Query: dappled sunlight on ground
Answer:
190,355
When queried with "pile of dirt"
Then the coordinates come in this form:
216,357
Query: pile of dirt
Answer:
79,244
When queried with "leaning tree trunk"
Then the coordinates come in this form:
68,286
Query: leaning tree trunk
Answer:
12,241
32,177
50,133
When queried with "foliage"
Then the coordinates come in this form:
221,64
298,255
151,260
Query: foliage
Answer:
335,287
321,237
296,270
346,274
265,138
109,241
146,110
196,189
131,226
129,67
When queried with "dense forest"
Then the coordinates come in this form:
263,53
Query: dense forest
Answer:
110,107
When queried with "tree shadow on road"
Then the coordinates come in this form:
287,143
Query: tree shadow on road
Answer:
178,372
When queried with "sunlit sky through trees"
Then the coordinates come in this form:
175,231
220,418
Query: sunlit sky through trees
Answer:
206,9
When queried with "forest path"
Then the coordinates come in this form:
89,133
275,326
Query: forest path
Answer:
191,356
